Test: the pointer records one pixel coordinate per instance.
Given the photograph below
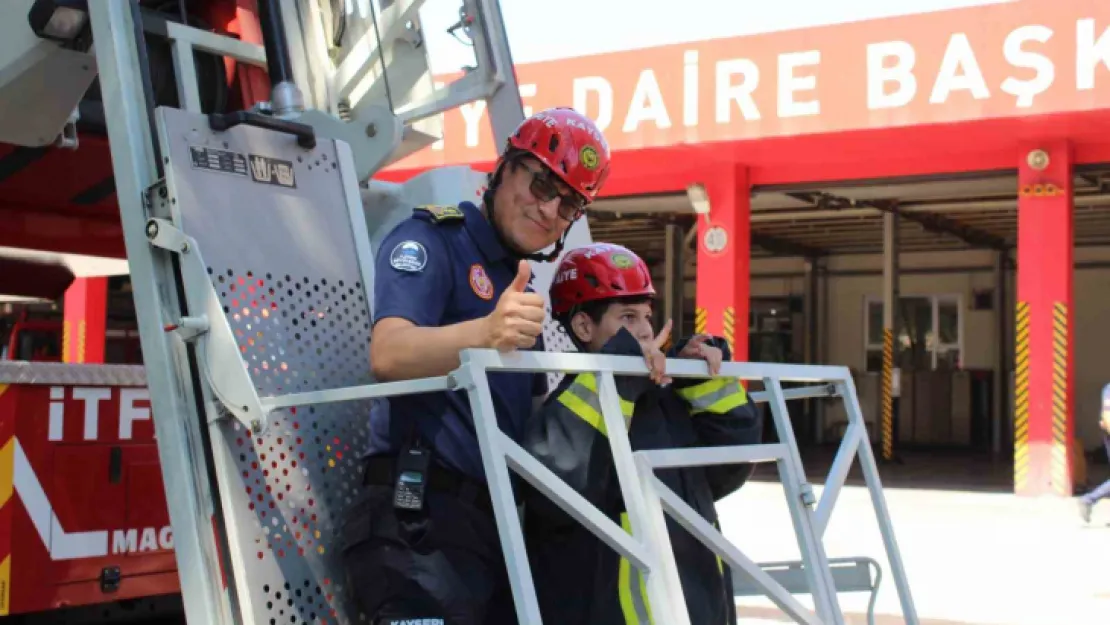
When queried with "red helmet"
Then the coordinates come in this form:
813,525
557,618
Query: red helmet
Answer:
596,272
570,144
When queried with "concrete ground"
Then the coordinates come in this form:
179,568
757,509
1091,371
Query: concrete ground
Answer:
974,553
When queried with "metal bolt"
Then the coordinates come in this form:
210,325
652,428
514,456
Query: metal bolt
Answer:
162,192
256,425
151,229
185,247
1038,159
371,130
807,495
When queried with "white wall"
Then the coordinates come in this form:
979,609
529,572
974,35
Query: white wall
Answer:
847,296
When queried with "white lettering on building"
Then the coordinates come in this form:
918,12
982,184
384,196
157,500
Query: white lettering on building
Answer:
594,84
879,74
1016,54
472,117
690,88
894,79
527,91
1090,53
959,71
647,104
789,84
740,93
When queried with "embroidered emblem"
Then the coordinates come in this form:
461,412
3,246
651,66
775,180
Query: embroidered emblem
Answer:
480,282
588,157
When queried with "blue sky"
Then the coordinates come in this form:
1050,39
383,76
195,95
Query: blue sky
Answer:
543,30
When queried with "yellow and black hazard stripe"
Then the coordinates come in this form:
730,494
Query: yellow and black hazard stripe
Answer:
729,321
1060,469
582,398
1021,397
7,471
74,342
701,320
886,433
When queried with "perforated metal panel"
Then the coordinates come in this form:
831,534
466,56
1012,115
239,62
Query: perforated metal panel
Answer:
280,252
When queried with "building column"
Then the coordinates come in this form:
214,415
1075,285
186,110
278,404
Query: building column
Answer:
724,258
1043,340
86,317
891,300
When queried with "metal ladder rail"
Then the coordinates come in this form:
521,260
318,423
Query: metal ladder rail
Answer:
648,547
178,397
656,498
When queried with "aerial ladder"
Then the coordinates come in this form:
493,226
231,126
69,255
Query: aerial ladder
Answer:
250,238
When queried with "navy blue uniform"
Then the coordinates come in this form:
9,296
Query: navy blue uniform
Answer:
437,273
443,266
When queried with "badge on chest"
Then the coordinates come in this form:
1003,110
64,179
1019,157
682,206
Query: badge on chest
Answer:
480,282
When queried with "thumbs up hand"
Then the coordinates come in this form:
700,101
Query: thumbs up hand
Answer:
518,318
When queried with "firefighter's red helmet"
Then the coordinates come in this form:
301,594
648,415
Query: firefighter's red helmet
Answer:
570,144
596,272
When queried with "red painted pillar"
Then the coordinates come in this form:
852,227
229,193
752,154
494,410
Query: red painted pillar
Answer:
1043,361
86,317
724,258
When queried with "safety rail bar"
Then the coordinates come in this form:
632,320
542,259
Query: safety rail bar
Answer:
646,498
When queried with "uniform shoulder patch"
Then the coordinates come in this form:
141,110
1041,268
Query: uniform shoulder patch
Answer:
438,213
408,256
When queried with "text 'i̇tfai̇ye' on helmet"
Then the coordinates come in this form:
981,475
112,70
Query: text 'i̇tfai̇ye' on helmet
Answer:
569,144
597,272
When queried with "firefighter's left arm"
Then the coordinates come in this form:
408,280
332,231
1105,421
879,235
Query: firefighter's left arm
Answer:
722,415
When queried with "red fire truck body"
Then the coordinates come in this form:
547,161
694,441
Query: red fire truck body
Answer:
83,515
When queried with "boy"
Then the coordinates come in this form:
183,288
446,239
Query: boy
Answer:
602,297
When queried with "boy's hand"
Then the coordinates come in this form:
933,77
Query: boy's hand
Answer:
654,356
696,348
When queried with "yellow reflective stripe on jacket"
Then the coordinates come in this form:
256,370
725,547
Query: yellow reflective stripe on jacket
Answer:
720,563
582,398
718,396
632,588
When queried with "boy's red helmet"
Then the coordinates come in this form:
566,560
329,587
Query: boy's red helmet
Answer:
569,144
597,272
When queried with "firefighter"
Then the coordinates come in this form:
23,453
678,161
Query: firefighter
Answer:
420,540
602,296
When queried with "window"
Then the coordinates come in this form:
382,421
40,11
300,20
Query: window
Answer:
771,323
930,337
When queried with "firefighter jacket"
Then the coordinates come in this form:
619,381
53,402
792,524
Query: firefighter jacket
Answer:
579,580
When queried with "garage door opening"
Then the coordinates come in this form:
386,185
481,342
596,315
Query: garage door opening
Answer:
817,294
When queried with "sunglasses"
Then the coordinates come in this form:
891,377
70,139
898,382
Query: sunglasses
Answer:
571,205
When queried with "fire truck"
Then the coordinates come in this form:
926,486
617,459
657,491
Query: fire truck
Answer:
226,150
